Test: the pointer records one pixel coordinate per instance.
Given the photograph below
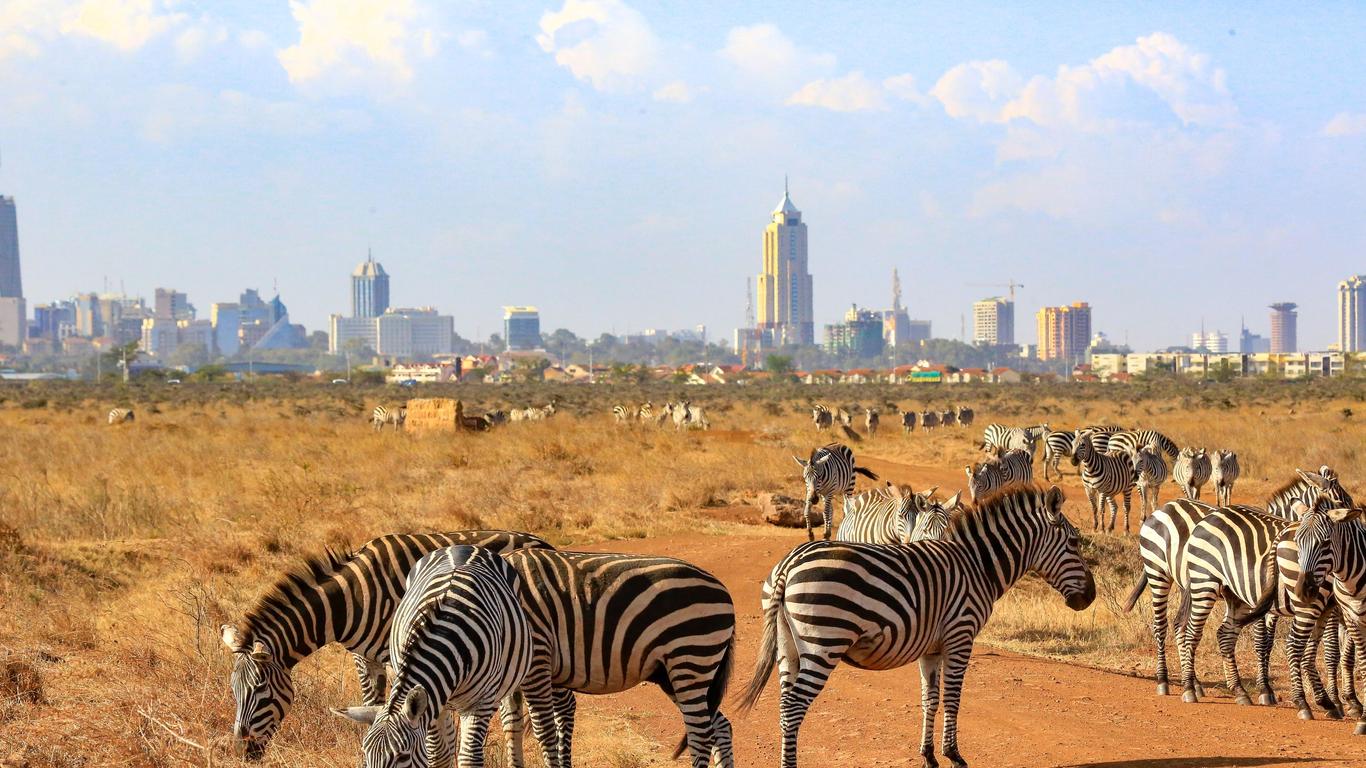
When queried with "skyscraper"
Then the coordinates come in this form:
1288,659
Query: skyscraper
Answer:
1064,332
1214,342
1352,314
993,321
785,315
522,328
11,285
1283,316
171,304
369,289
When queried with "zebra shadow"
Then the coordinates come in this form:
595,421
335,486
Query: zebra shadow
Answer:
1200,762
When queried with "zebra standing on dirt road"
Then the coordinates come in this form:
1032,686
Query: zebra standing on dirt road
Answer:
384,415
883,515
1224,471
345,598
829,471
1151,474
1011,468
604,623
870,422
461,643
1191,470
1056,445
882,607
121,416
1104,476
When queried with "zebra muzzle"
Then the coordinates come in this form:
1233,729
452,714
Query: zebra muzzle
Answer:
1082,600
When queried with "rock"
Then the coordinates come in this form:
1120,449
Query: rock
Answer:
784,511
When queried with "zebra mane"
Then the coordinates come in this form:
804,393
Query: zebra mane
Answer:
1001,499
307,576
1291,487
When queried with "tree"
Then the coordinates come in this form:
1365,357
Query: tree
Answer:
319,340
530,370
778,365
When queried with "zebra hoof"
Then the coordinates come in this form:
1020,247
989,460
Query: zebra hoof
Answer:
1243,700
1199,690
1360,730
1189,697
1333,713
1352,710
1306,714
1161,689
1267,699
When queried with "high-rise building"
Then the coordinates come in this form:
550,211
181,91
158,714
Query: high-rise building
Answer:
172,305
369,289
785,314
521,328
993,321
1352,314
13,321
1064,332
860,334
226,319
1214,342
1283,317
896,322
1250,343
11,285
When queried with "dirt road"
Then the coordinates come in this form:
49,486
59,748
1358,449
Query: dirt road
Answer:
1018,711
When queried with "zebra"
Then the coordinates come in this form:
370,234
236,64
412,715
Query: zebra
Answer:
1056,445
497,417
603,623
460,642
1151,474
929,420
621,414
843,417
907,422
1131,440
1104,476
1224,473
121,416
1101,434
696,418
383,415
822,417
1012,468
341,597
830,470
1191,470
948,417
646,412
870,422
932,524
880,607
965,416
883,515
998,438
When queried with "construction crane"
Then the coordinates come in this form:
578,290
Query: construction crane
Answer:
1012,285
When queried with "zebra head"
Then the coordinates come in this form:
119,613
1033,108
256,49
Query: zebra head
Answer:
933,521
397,734
1057,553
1319,533
1330,491
810,468
1080,454
263,689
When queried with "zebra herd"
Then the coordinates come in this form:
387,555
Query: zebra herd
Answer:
683,414
825,419
396,416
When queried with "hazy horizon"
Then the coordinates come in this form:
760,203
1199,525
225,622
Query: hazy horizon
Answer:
615,163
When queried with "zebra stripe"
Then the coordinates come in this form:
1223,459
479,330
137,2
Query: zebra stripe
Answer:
1224,473
881,607
1131,440
1191,470
621,413
121,416
1151,474
829,471
460,642
1303,592
1104,476
870,422
998,438
821,417
382,415
1336,535
907,422
929,420
346,598
646,413
1012,468
603,623
1100,435
883,515
1056,445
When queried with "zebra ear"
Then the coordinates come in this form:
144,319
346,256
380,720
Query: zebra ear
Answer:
260,652
1343,515
953,501
362,715
799,461
232,638
415,704
1313,478
929,493
1053,500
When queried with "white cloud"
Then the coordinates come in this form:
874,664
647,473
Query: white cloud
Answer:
677,92
763,53
904,87
22,25
604,42
978,89
191,43
253,39
353,38
125,24
851,93
1345,124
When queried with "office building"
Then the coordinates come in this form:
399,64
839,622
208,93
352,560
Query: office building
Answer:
521,328
13,321
860,334
225,317
1215,342
1352,314
1283,319
1064,332
170,304
784,314
54,321
412,333
993,321
1250,343
11,285
369,289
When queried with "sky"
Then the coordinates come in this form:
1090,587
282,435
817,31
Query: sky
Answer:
615,163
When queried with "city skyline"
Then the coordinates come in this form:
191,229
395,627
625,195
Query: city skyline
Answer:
533,148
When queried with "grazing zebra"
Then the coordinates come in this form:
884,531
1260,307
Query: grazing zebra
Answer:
929,420
1224,473
1104,476
1191,470
965,416
1056,445
907,422
384,415
345,598
646,412
948,418
121,416
460,642
870,422
696,418
497,418
821,416
1011,468
603,623
882,607
883,515
829,471
621,414
1131,440
1151,474
1334,537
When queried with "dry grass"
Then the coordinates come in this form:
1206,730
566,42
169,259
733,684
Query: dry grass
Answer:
122,549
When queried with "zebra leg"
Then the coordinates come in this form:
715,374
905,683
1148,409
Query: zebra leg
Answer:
372,680
1160,590
1351,705
1296,645
1263,637
806,518
440,740
955,667
829,515
804,675
1356,639
1128,503
930,668
723,749
688,689
510,714
1228,645
541,700
474,729
1198,612
566,705
1114,510
1095,514
1321,694
1332,656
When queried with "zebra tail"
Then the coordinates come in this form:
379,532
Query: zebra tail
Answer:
768,648
1183,611
1136,592
868,473
719,682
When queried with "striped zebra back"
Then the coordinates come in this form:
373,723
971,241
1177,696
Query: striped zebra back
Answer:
1058,444
1232,548
1148,463
1131,440
1309,489
1103,472
882,516
121,416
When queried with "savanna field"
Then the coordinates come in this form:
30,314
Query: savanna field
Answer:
124,548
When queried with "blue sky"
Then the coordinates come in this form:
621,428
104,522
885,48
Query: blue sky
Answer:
615,162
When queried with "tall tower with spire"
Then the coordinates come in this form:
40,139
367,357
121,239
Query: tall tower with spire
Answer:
11,284
369,288
784,288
